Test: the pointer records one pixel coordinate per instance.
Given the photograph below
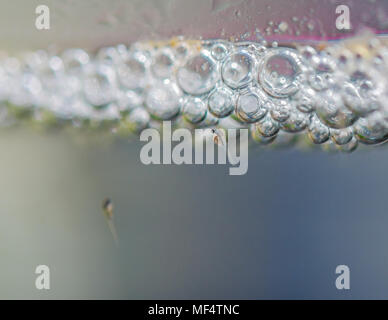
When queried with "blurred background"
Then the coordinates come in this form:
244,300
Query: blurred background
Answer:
186,232
91,24
189,232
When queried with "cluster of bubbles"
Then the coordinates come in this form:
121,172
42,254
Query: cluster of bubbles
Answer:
335,97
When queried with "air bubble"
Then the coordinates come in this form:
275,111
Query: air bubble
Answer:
305,99
221,102
194,110
297,121
344,58
250,107
349,147
219,51
132,71
109,55
337,93
209,121
199,75
139,119
74,60
341,136
259,138
128,100
78,109
31,84
369,85
181,50
322,78
266,126
99,85
371,130
308,52
163,64
279,72
353,99
317,131
332,111
237,69
323,63
283,26
162,101
280,110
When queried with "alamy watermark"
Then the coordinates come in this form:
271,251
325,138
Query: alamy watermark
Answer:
343,20
342,282
42,281
42,21
232,147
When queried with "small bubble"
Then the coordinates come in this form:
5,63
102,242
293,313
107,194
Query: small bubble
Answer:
259,138
221,102
237,69
349,147
305,99
332,111
198,76
267,127
283,26
341,136
250,107
162,101
99,85
132,71
308,52
181,50
139,119
280,110
194,109
372,129
311,25
74,60
128,100
353,99
163,64
219,51
108,55
279,71
317,131
296,122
